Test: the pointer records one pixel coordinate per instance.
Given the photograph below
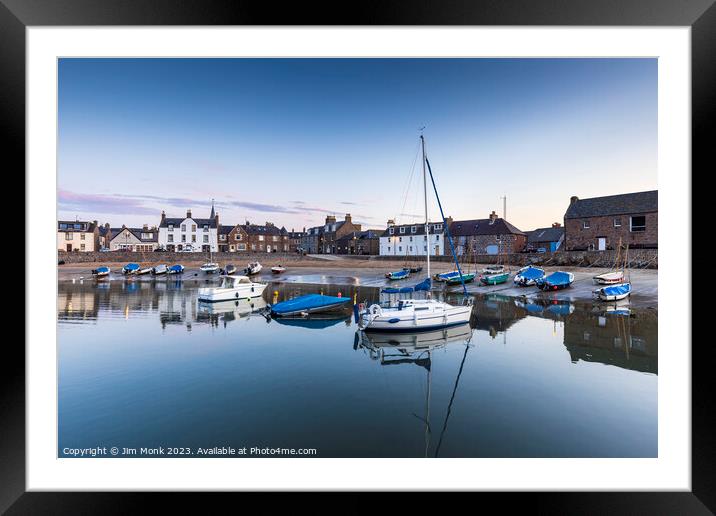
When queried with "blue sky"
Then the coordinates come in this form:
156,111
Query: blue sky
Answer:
291,140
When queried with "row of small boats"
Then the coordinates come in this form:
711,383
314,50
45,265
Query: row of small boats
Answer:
135,269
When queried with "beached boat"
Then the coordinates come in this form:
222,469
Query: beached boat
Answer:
423,285
253,268
613,292
528,276
494,269
278,269
101,271
556,281
609,278
411,315
229,269
175,269
444,276
494,279
159,269
145,270
209,268
130,268
457,279
309,304
232,287
398,275
413,269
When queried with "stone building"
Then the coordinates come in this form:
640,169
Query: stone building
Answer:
599,223
295,240
411,240
144,239
359,242
333,230
545,239
266,238
312,241
223,237
493,235
77,235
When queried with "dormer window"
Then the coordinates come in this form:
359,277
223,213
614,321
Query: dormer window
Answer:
402,230
437,227
585,224
170,227
413,229
391,231
206,227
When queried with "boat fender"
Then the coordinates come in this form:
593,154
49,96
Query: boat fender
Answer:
375,310
237,295
394,320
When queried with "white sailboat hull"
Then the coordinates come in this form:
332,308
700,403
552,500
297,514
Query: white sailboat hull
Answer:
212,295
422,316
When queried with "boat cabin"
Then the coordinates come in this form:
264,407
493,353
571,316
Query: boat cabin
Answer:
234,281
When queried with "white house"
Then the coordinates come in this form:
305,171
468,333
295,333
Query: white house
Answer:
176,234
411,240
143,239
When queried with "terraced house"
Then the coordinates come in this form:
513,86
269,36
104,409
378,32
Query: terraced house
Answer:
599,223
411,240
265,238
493,235
194,234
77,235
144,239
334,230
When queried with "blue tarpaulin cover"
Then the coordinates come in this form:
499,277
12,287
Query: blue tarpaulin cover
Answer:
131,267
423,285
617,290
558,278
531,273
308,302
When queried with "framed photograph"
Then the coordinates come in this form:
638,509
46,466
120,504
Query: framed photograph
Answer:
410,251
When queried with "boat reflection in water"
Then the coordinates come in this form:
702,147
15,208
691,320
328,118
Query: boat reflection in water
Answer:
417,348
226,311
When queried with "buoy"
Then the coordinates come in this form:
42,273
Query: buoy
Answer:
275,292
339,295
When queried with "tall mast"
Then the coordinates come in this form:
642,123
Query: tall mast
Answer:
425,194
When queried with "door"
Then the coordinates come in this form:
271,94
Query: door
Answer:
268,248
69,248
601,243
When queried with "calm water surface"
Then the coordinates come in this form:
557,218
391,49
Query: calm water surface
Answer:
143,364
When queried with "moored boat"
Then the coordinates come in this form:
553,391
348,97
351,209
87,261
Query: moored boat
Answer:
278,269
613,292
130,268
159,269
232,288
398,275
229,269
253,268
556,281
209,268
494,269
145,270
494,278
609,278
101,271
308,304
467,277
175,269
528,276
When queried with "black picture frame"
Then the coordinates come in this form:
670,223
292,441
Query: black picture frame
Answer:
16,15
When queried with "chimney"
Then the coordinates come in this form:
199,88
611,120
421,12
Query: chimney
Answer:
216,219
164,217
269,224
493,217
449,220
145,227
391,222
304,229
573,199
106,225
188,214
556,225
348,218
123,226
330,219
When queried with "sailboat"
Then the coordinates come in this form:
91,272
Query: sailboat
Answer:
210,267
614,276
411,315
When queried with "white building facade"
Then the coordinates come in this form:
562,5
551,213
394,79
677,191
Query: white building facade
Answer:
77,236
411,240
189,233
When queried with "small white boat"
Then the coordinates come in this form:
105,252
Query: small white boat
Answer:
609,278
253,268
159,269
145,270
494,269
101,271
232,287
229,269
209,268
278,269
414,315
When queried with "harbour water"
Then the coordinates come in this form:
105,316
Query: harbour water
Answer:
144,366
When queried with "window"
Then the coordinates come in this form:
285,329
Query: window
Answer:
193,228
437,237
206,239
617,222
425,248
253,247
78,226
638,223
391,231
437,227
388,248
193,238
170,227
206,228
242,247
231,248
425,237
402,230
413,229
183,238
82,247
63,226
585,224
411,239
237,236
261,238
400,239
222,238
400,248
82,236
183,227
68,236
275,239
170,238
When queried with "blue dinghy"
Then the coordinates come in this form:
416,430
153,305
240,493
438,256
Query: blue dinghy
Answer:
556,281
527,276
130,268
175,269
308,304
101,271
423,285
613,292
397,275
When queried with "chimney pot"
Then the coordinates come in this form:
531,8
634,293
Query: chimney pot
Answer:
188,214
556,225
573,199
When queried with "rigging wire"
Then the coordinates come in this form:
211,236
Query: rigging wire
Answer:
406,189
